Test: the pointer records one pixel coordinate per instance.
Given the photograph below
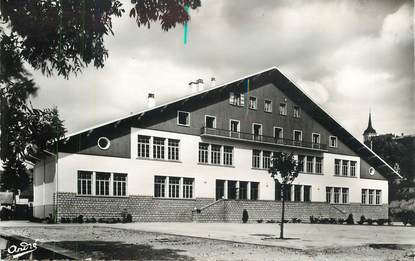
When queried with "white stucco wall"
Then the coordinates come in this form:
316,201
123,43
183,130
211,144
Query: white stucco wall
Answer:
141,172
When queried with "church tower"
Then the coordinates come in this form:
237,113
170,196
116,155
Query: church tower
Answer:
369,132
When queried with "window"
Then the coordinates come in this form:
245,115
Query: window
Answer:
364,196
319,165
174,186
256,158
220,189
159,187
371,196
333,141
234,128
296,112
85,182
210,122
103,143
227,155
254,190
266,159
232,189
328,194
102,183
183,118
215,154
297,192
283,109
143,146
298,137
188,187
268,106
203,152
336,195
378,197
158,148
301,162
337,167
278,135
307,193
345,195
243,190
315,140
120,184
309,164
256,131
173,149
353,168
236,99
252,103
345,167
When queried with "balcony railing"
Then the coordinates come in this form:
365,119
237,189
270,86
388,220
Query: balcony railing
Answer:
260,138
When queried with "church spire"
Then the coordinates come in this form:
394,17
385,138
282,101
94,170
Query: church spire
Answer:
370,131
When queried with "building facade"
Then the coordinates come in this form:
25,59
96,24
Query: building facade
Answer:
205,158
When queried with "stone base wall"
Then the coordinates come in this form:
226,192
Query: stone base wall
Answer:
142,208
231,211
149,209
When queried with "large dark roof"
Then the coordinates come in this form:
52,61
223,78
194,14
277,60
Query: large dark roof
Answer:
273,75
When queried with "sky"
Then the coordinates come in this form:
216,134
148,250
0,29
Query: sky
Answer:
348,56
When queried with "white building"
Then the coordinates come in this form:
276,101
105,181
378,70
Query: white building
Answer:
204,157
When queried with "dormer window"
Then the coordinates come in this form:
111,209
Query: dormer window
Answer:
183,118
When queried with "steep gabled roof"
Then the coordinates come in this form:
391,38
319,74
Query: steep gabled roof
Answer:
297,95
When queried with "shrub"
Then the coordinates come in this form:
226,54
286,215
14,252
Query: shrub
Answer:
362,220
369,221
270,221
245,216
313,220
296,220
381,221
100,220
80,219
407,217
340,221
260,221
93,220
350,220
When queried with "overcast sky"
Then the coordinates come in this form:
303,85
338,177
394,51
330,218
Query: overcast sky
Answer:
349,56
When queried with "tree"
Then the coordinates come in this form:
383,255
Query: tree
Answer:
284,169
63,37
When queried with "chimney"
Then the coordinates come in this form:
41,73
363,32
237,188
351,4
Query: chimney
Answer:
201,85
212,82
151,101
193,87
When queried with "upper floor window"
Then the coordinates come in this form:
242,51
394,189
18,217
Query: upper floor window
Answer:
227,155
333,141
268,106
345,167
203,153
212,153
183,118
310,163
236,99
158,148
319,165
266,159
296,112
173,149
235,128
210,122
256,159
143,146
253,104
316,138
353,168
256,131
215,154
283,109
278,133
337,167
298,135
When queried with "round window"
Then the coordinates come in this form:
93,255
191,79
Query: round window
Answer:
103,143
371,171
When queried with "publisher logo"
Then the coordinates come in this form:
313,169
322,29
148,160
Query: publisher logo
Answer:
22,249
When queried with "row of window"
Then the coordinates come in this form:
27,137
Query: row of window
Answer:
215,154
154,147
232,189
238,99
173,187
310,164
345,168
183,118
293,192
102,181
368,194
337,195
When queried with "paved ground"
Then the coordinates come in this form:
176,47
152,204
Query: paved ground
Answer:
195,241
303,236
